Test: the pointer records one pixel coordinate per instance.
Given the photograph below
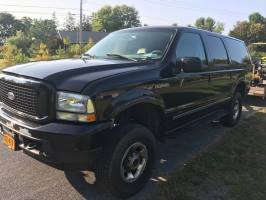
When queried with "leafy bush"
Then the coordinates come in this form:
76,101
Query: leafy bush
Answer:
43,52
21,58
89,45
12,55
66,42
8,51
74,50
61,53
4,63
53,44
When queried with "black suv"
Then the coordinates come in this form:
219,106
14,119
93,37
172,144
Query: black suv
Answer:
104,111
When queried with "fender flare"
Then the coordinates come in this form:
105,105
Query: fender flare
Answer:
132,98
237,83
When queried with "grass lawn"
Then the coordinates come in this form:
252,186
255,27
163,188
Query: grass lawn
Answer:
233,168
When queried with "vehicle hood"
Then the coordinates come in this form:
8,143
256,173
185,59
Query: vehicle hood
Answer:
73,74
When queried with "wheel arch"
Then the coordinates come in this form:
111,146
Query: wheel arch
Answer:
241,87
148,113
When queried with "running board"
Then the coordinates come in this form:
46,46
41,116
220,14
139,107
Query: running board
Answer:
212,116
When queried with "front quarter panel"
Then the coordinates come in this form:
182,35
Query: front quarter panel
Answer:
130,98
119,93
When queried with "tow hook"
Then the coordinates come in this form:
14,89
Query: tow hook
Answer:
31,146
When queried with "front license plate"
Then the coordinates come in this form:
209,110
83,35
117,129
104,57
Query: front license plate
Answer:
9,140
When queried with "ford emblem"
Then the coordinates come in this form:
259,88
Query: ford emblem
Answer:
11,96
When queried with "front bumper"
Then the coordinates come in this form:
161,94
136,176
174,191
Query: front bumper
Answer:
60,144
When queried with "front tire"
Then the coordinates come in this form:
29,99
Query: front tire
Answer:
128,160
234,111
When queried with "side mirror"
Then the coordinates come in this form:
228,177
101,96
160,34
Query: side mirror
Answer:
190,64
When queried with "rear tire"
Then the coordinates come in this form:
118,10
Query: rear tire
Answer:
128,160
234,111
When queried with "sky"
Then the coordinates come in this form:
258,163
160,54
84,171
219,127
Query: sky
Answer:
152,12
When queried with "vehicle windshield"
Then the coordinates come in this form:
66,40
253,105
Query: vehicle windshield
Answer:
133,45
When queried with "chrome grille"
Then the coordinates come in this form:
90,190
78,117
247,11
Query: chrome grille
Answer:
26,97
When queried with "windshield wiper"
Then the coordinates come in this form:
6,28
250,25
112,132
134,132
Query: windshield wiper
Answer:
121,56
88,55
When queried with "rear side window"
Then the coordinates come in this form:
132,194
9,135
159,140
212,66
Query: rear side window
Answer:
238,51
190,45
218,55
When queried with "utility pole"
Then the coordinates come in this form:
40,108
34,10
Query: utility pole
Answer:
80,24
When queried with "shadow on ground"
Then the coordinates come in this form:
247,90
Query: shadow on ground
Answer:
174,152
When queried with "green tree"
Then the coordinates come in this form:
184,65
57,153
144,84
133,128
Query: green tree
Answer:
70,23
8,26
241,31
257,32
209,24
26,24
55,19
21,41
44,31
110,19
219,27
102,19
256,18
251,31
86,24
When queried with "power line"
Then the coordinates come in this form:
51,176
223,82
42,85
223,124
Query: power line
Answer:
63,8
42,7
64,14
38,13
159,2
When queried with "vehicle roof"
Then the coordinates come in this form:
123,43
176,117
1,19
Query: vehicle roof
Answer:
176,28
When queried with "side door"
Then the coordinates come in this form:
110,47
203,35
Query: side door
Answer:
188,91
240,61
221,80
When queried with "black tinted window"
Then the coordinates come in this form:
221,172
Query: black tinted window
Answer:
238,51
218,55
190,45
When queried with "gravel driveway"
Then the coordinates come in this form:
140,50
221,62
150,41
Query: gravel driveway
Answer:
22,177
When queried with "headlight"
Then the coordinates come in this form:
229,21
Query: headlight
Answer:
75,107
74,103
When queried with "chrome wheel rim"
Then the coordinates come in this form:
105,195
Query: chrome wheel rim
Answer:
236,110
134,162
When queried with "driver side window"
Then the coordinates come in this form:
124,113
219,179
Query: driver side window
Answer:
190,45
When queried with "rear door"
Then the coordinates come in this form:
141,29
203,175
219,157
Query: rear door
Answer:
240,61
219,67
